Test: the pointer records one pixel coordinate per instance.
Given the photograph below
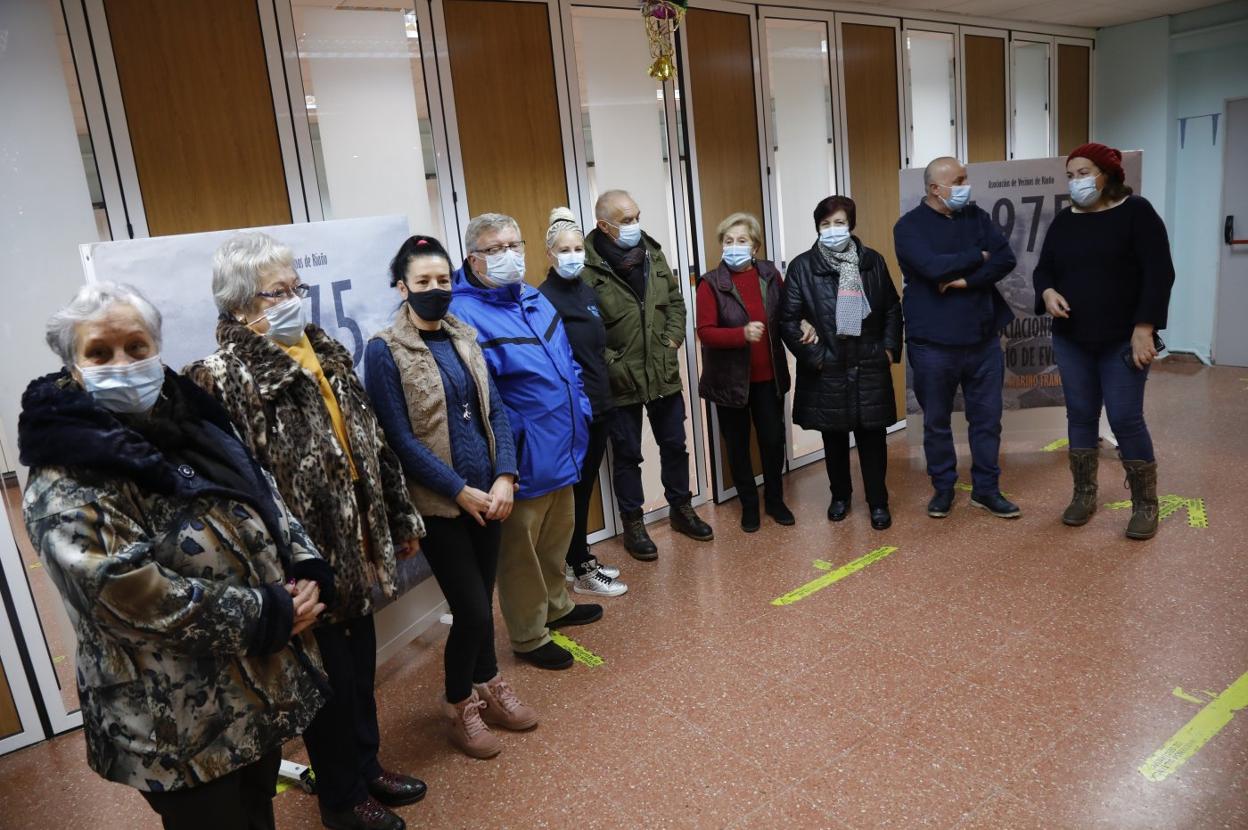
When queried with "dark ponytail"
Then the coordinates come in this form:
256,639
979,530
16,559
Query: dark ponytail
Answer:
415,246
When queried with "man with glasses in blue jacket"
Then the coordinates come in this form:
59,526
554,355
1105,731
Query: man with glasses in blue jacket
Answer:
539,382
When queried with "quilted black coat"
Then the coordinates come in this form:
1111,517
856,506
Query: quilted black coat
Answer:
842,383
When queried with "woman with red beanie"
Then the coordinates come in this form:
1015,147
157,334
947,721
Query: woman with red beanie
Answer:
1105,275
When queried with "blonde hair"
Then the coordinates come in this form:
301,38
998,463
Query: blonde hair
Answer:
561,219
749,220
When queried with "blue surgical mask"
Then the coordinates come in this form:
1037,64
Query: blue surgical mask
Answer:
131,389
738,256
959,197
630,235
1084,191
287,320
505,267
835,237
570,264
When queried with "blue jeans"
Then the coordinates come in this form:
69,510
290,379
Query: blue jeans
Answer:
980,371
1094,375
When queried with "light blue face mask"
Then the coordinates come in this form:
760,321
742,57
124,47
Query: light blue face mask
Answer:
571,263
287,320
738,256
630,235
1084,191
959,197
131,389
505,267
835,237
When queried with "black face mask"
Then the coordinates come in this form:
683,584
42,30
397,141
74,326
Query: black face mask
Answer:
430,305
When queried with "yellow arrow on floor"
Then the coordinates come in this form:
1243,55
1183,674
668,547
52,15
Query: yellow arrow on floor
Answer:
1168,505
1197,732
832,575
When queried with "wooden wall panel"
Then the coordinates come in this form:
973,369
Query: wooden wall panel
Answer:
983,62
721,79
10,723
869,55
725,120
503,72
199,108
1073,82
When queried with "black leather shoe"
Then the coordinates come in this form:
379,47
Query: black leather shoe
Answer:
750,521
550,656
367,815
881,519
780,511
636,540
395,790
583,614
838,510
684,520
996,504
941,504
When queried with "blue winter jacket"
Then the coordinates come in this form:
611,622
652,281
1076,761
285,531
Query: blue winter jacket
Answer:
531,361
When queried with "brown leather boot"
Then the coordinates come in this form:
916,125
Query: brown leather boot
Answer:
502,708
469,733
1083,467
1142,479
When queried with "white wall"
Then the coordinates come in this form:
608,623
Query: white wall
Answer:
1196,61
1030,78
931,96
45,206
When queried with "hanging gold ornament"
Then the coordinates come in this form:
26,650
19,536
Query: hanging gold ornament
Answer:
662,18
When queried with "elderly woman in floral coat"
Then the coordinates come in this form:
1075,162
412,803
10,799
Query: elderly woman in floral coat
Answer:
292,393
189,585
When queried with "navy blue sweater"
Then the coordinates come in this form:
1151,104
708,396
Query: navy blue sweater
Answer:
933,249
577,305
470,451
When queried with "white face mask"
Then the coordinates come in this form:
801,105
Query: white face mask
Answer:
1084,191
505,267
130,389
570,264
287,320
835,237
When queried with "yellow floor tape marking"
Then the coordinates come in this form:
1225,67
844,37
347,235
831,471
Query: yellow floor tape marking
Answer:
34,566
1197,732
1182,695
1057,445
283,785
60,659
831,576
579,653
824,566
1168,505
966,488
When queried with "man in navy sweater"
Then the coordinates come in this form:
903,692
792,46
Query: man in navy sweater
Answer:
952,256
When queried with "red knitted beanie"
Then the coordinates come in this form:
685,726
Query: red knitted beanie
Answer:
1106,158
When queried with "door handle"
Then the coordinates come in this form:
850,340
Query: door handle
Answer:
1228,232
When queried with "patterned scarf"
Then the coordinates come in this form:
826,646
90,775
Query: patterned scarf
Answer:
851,298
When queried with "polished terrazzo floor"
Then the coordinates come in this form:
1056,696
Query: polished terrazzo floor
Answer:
986,674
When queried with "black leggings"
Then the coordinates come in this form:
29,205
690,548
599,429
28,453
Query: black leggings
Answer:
464,559
238,800
583,493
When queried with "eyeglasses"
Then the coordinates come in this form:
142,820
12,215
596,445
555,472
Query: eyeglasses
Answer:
495,250
299,290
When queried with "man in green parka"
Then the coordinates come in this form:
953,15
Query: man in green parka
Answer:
640,302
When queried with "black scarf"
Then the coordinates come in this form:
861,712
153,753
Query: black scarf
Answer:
628,263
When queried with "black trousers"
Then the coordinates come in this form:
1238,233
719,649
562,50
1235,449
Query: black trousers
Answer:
667,420
464,559
767,411
872,457
583,492
241,800
343,738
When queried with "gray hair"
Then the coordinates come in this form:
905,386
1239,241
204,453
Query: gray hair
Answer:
485,223
238,264
92,300
605,201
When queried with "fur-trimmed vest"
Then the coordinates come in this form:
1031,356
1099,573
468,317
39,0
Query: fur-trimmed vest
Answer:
278,410
426,398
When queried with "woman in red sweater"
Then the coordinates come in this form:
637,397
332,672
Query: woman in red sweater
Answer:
744,369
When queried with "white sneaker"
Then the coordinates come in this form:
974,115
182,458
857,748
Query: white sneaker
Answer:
599,584
607,570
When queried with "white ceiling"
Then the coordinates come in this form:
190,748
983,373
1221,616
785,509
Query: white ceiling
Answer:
1090,13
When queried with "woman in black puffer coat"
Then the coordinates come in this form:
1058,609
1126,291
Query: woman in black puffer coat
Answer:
844,381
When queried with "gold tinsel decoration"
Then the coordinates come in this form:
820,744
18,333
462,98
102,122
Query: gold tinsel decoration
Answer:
663,18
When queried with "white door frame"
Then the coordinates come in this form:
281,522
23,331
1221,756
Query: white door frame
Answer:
959,119
1047,41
